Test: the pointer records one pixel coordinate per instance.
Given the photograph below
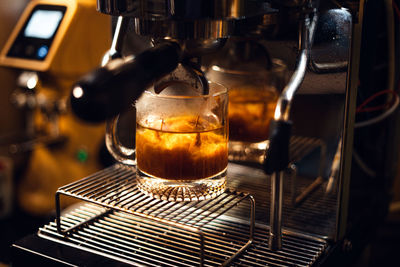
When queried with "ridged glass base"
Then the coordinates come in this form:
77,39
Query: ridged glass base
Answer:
182,190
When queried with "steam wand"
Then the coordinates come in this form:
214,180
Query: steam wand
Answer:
277,156
115,50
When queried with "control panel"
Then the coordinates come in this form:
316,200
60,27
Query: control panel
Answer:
36,36
64,38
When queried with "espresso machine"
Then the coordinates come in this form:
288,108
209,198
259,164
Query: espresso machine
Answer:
40,51
315,195
43,55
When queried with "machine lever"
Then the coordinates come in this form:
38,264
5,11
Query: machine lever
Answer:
109,90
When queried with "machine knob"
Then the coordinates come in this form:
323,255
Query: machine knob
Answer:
109,90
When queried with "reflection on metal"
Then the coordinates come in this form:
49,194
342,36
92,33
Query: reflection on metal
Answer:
115,190
185,19
331,41
117,43
285,100
275,233
183,9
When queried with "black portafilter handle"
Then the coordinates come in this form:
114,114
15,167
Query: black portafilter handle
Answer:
109,90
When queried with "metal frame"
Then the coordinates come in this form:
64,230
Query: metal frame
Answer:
348,127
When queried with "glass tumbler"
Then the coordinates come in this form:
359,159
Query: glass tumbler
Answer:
181,143
253,96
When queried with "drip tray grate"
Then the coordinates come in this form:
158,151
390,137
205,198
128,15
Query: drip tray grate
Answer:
116,220
140,241
176,225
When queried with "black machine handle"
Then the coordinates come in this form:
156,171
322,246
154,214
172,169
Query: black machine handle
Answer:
109,90
277,156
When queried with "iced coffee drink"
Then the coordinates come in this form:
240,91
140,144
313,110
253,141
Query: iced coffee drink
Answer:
250,112
182,143
253,95
181,148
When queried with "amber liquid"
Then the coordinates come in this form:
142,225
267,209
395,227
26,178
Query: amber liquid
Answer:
250,113
181,148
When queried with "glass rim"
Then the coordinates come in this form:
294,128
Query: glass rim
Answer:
222,91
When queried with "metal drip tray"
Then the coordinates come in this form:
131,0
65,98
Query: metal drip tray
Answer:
140,241
117,221
184,226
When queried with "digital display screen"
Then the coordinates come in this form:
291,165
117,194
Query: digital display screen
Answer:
35,38
43,23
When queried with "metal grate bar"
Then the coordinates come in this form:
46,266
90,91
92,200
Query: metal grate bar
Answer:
107,188
128,228
232,205
102,244
129,196
99,186
148,241
104,173
186,211
147,236
205,210
149,226
85,184
155,229
114,197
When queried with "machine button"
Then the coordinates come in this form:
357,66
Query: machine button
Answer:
42,51
29,50
82,155
17,49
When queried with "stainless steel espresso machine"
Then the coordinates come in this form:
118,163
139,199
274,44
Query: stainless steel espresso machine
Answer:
314,194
